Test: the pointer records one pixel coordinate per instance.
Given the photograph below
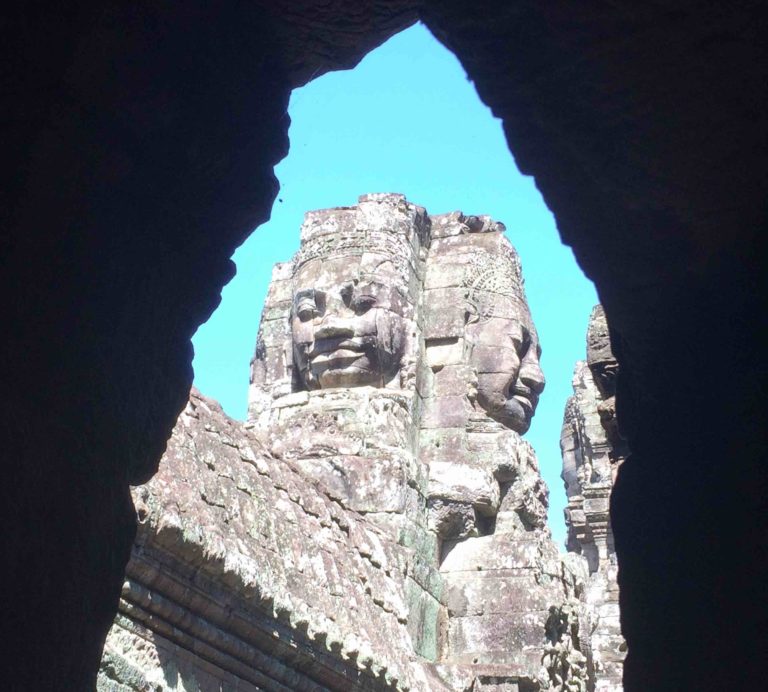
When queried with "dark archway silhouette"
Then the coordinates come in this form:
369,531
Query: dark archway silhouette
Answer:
140,142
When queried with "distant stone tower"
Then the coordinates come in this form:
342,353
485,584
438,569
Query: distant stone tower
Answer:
592,453
378,522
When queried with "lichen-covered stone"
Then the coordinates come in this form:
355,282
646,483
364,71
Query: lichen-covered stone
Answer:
378,522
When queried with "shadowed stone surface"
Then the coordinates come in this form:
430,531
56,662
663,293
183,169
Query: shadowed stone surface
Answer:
139,144
405,545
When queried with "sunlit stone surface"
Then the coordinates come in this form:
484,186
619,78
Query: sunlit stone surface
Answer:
592,452
378,522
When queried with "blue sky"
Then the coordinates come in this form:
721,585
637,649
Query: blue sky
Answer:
406,119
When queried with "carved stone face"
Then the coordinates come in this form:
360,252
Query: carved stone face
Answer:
605,375
600,356
347,323
506,354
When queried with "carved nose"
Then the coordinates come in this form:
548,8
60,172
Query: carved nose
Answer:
532,376
334,328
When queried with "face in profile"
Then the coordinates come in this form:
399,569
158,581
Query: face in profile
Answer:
347,324
605,374
600,359
505,353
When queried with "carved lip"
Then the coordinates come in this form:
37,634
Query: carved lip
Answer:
526,404
526,398
336,354
336,347
337,359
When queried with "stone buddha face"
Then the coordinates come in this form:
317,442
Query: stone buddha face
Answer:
600,356
347,322
504,345
605,370
505,353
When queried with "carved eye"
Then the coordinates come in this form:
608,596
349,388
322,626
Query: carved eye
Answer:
365,297
526,342
363,303
305,306
519,338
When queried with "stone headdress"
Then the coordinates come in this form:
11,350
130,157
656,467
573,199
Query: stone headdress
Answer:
383,228
495,286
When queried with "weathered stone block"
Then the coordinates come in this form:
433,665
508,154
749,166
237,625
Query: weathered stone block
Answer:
446,412
454,380
457,480
444,316
492,553
442,352
496,638
444,274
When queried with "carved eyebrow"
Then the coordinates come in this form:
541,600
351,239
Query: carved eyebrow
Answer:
304,294
308,299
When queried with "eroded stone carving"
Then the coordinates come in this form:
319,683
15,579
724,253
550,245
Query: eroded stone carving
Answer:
348,331
592,452
333,379
487,501
503,341
605,369
351,307
485,380
379,522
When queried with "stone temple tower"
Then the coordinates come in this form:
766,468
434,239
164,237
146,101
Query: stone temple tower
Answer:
335,377
592,451
378,522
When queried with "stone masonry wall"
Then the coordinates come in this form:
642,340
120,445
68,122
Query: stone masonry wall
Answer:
379,520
